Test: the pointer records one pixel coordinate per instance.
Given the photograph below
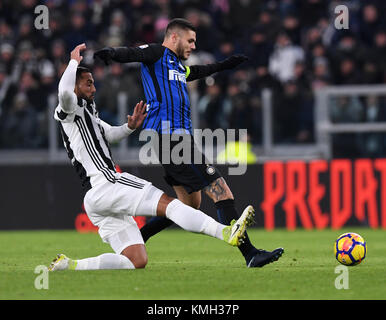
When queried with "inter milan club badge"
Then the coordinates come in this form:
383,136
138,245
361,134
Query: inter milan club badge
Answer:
210,170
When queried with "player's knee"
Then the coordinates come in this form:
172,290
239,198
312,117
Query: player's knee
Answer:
137,255
140,262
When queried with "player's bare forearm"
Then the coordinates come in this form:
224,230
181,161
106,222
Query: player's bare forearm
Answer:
218,190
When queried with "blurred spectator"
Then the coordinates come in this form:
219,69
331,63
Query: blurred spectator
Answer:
321,74
284,57
210,108
79,31
369,22
242,15
47,84
117,32
376,57
57,53
317,53
270,23
6,32
291,26
206,33
372,73
7,52
7,91
347,72
26,32
263,79
259,47
302,78
240,114
312,36
144,30
256,130
25,60
56,26
349,54
20,129
371,144
116,81
225,49
346,110
292,115
29,86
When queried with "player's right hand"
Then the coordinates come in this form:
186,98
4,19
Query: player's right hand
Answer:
105,54
75,54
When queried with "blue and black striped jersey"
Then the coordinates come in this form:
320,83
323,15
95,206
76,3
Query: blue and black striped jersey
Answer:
164,79
164,84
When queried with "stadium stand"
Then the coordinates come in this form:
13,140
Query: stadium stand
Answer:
292,45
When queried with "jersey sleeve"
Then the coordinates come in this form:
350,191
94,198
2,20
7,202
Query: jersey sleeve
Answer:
115,133
66,95
148,53
201,71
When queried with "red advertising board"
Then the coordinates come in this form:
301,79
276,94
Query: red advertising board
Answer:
352,190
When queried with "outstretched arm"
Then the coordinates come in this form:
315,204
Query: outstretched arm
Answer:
134,121
146,54
66,95
202,71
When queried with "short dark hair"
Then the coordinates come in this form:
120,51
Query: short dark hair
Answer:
80,71
180,24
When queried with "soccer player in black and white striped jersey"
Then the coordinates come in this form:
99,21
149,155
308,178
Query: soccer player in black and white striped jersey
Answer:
113,198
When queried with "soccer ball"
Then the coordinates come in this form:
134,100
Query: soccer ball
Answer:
350,249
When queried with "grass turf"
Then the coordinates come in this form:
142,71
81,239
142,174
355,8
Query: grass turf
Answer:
185,266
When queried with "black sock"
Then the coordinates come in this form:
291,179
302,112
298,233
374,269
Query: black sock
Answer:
226,212
155,225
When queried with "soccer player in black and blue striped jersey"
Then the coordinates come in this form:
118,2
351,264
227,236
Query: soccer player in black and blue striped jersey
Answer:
164,78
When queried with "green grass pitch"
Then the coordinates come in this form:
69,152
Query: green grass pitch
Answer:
186,266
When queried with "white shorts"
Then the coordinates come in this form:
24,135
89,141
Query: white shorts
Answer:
111,207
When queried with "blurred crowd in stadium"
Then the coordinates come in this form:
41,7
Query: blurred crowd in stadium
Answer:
293,47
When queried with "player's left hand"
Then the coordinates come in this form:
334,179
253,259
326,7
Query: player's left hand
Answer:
135,120
234,61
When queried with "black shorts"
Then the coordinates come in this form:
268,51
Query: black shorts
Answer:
192,171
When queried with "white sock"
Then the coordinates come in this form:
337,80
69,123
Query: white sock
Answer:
193,220
104,261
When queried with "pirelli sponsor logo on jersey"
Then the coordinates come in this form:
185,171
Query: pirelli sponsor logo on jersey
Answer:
175,75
